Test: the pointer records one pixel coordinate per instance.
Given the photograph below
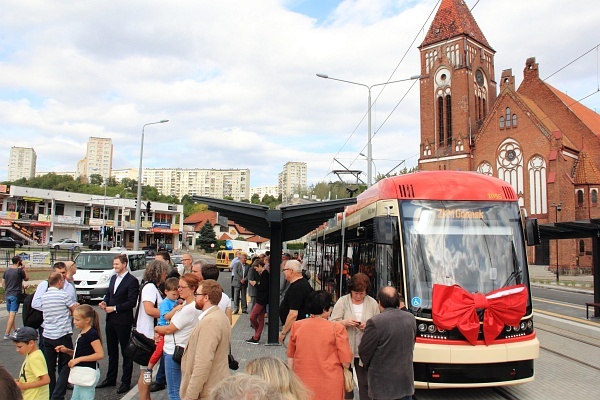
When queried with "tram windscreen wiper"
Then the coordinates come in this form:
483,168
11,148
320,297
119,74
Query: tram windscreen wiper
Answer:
516,274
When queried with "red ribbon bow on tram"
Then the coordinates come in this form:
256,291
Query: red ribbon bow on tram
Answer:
455,307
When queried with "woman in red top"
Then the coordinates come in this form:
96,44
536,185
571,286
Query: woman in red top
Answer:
318,349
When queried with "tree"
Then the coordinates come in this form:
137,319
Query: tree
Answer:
255,199
96,179
207,236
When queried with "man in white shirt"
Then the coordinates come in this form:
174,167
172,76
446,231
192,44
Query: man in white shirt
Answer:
212,272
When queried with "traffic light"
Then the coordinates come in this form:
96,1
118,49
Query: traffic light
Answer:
148,207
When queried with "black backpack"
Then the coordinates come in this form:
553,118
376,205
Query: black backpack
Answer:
31,317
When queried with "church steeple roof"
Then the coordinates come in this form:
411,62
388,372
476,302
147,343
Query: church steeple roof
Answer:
585,171
452,19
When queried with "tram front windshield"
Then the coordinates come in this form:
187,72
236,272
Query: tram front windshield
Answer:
476,245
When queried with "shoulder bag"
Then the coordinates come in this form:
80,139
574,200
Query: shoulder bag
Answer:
348,378
178,353
139,348
233,364
82,376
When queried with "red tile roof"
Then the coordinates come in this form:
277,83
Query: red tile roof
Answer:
585,171
257,239
225,237
589,117
201,217
452,19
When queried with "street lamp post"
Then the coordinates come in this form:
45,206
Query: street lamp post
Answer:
103,218
369,107
138,208
557,208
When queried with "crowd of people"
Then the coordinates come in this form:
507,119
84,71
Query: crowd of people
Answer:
189,319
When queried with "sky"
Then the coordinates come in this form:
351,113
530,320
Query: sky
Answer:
237,79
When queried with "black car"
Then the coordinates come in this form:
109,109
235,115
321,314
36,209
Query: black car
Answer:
98,245
9,243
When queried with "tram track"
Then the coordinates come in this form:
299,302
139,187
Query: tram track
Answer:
504,393
566,356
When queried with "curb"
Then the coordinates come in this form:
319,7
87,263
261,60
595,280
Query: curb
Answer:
563,288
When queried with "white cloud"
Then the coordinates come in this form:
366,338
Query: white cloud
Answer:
237,79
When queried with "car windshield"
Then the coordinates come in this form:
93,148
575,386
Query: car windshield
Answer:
94,261
476,245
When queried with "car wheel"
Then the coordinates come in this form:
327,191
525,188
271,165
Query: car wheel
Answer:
76,248
57,247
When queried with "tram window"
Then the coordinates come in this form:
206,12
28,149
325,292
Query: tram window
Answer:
384,230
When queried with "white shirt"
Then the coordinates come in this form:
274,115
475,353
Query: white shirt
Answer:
185,320
118,280
42,288
145,323
225,302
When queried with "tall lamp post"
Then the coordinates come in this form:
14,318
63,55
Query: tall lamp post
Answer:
557,208
369,107
138,206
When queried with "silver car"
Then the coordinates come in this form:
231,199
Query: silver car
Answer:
66,244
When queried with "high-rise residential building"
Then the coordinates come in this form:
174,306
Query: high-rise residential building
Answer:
98,158
217,183
120,174
262,191
292,180
21,163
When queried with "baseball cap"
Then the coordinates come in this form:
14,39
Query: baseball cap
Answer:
25,334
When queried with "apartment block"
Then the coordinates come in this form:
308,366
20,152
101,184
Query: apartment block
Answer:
262,191
292,180
217,183
98,158
21,163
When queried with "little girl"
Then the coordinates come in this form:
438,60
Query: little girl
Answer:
88,349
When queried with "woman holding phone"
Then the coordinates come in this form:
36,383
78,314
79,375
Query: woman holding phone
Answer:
352,311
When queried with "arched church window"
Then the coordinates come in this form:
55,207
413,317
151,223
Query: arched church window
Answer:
594,193
485,168
514,120
508,117
501,122
510,166
441,120
537,185
449,119
580,197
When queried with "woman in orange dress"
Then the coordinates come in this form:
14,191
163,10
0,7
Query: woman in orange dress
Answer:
318,349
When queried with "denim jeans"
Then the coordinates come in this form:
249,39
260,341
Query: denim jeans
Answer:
86,393
160,374
173,371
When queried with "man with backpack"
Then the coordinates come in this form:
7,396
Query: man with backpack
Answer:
12,281
34,314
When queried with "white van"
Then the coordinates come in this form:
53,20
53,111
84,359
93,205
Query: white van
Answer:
94,269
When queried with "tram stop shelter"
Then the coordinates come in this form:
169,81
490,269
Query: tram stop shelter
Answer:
589,228
286,223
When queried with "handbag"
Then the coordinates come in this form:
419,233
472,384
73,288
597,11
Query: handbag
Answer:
21,296
233,364
347,373
139,348
82,376
178,353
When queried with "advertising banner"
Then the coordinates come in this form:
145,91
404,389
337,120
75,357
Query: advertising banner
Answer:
34,257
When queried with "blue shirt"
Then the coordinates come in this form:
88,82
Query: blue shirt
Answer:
164,308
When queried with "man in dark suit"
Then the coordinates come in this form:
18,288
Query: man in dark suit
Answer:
119,302
386,349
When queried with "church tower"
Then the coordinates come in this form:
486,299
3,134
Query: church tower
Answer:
458,87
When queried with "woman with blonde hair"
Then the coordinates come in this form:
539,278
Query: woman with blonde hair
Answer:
280,376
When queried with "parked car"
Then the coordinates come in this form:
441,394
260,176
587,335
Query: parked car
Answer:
156,247
9,243
98,245
65,244
176,259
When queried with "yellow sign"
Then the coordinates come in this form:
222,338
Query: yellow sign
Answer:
34,257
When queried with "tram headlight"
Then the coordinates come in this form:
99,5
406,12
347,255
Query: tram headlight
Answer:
508,328
516,328
432,328
422,327
523,325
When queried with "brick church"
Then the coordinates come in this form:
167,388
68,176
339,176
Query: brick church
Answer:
541,141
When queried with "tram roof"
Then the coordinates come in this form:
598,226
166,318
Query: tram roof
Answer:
438,185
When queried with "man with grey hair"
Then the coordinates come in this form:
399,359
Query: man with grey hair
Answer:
293,306
196,268
186,261
244,387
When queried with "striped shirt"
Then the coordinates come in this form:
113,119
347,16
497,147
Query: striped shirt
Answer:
55,305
